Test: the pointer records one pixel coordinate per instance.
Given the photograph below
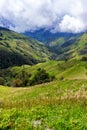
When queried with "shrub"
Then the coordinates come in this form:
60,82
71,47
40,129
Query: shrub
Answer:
17,83
61,78
2,81
84,58
41,76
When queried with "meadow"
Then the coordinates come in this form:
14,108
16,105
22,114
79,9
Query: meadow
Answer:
58,105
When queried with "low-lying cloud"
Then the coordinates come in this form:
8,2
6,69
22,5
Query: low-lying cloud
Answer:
55,15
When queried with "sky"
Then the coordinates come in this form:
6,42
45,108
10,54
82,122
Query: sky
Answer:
52,15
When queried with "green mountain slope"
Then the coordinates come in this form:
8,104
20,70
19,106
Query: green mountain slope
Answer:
64,45
71,47
17,49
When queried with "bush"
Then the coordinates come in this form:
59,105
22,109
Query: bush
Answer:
24,78
41,76
17,83
84,58
2,81
61,78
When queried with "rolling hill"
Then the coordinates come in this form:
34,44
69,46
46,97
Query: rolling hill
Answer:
61,70
17,49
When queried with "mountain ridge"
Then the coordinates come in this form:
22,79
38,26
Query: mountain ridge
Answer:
64,45
17,49
46,36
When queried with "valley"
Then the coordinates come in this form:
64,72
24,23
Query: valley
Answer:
43,64
43,87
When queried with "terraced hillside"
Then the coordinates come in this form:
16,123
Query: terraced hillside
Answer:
17,49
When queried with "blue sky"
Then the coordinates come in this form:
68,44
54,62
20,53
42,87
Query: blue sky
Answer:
55,15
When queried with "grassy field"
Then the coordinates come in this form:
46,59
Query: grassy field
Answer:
59,105
72,69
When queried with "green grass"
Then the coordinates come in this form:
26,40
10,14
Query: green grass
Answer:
59,105
72,69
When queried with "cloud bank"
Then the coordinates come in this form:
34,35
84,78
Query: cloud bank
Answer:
55,15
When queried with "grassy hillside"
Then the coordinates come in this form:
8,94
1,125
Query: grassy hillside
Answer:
61,70
64,45
59,105
17,49
71,47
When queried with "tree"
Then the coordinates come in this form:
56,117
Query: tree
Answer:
2,81
41,76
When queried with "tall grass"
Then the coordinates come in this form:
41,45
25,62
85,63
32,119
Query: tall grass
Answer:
59,105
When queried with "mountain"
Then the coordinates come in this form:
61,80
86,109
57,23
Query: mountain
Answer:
46,36
70,47
17,49
64,45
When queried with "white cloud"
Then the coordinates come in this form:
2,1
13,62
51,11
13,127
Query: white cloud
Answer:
71,24
56,15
